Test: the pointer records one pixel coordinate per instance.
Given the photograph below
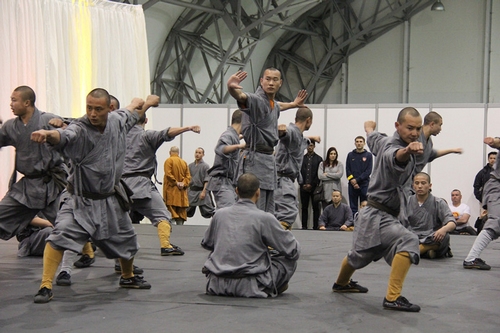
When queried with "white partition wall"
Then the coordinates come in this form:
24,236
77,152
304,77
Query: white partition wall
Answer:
493,121
465,126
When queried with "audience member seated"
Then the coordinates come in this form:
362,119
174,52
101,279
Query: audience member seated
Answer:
430,219
238,237
337,216
461,213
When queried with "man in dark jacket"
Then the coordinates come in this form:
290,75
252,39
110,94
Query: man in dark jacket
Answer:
483,175
358,167
308,183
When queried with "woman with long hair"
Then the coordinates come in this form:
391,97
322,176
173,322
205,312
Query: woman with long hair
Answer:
330,172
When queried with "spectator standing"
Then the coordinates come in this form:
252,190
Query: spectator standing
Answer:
483,175
309,175
330,172
358,168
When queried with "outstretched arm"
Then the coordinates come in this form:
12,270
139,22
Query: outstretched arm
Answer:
443,152
315,138
230,148
370,126
137,105
151,101
298,102
51,136
39,222
234,87
58,123
414,148
174,131
281,130
492,142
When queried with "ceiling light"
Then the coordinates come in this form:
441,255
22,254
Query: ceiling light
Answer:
437,6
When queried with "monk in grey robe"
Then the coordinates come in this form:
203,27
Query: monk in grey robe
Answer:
259,127
289,156
140,166
378,232
43,169
430,219
239,263
198,194
222,173
96,203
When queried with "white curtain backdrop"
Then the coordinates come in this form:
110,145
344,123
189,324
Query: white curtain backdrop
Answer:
65,48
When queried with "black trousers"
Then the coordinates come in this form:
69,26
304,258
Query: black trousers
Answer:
305,198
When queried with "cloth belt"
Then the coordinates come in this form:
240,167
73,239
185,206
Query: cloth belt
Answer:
57,174
137,174
383,208
90,195
205,271
287,175
263,149
196,188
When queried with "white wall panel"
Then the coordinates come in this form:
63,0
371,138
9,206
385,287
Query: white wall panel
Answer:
462,127
493,122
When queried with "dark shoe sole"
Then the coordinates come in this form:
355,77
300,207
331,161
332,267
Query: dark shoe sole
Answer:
478,267
63,283
402,309
129,286
42,300
172,254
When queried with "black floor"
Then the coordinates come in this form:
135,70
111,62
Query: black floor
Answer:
452,299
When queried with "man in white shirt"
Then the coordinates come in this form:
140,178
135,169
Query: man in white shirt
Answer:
461,213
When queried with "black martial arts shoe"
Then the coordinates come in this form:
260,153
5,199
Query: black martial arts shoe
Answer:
84,261
63,279
135,282
44,295
477,263
172,251
400,304
351,287
137,270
